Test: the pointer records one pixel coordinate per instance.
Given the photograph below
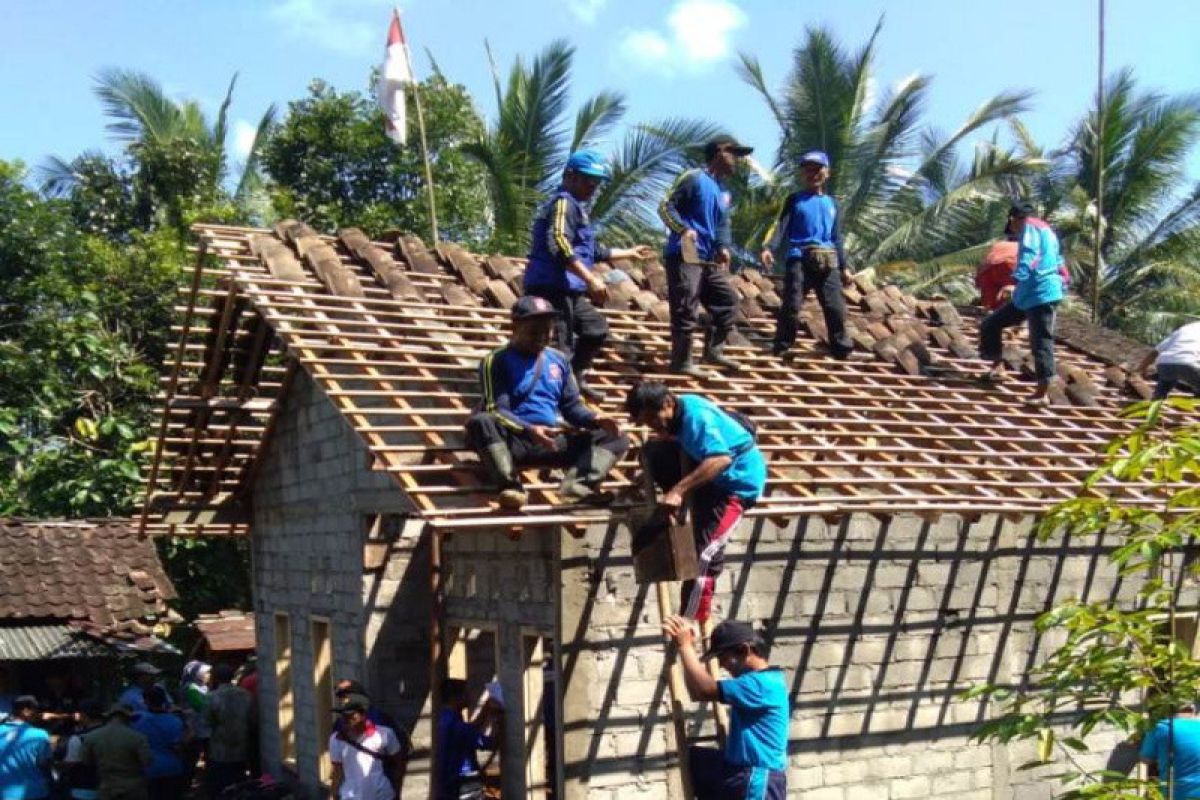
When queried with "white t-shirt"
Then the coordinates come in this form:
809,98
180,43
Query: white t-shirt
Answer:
363,775
1181,347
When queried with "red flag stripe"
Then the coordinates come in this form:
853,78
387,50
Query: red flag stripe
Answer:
396,30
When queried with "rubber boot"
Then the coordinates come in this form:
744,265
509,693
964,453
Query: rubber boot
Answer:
681,357
714,350
585,488
499,465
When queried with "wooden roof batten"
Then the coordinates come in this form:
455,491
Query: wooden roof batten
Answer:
392,333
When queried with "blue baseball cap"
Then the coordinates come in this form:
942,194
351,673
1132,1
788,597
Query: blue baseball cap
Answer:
815,157
590,163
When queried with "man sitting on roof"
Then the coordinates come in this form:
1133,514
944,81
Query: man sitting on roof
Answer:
531,413
708,456
561,256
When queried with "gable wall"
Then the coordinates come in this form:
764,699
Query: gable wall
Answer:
307,550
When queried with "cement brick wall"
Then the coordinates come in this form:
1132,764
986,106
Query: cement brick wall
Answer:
307,550
879,626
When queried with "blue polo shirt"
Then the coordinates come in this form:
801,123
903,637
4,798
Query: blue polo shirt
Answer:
164,732
807,219
456,744
705,431
522,389
24,757
562,231
758,719
1182,745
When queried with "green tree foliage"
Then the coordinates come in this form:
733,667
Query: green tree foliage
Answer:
906,195
1120,666
1150,241
332,164
525,148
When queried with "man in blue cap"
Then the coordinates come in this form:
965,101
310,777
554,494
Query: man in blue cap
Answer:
816,260
530,413
561,257
698,254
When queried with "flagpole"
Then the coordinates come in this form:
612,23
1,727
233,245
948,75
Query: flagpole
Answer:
433,222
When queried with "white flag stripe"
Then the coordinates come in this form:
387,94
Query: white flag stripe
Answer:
395,75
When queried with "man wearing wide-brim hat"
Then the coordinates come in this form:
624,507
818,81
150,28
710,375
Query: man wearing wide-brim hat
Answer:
142,675
120,756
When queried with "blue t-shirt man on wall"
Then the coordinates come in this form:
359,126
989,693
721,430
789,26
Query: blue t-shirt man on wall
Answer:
1172,748
25,754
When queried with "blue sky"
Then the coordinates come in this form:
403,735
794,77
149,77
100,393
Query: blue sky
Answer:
671,58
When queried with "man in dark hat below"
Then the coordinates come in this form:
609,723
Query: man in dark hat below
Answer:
120,755
366,757
754,763
142,675
531,413
562,254
698,254
25,752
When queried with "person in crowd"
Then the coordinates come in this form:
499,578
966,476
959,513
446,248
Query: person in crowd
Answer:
25,753
1038,289
143,675
193,695
1177,362
367,758
531,413
247,678
698,255
706,457
348,686
120,756
229,716
563,251
81,778
165,732
754,763
1171,750
816,259
457,741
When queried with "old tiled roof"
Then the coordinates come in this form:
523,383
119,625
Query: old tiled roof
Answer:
392,332
227,631
97,577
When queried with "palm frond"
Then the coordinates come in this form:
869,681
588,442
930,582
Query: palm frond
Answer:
137,105
596,117
251,178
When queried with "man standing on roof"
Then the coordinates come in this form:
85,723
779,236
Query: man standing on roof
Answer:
816,260
531,413
698,254
1178,362
561,256
1034,299
754,764
706,456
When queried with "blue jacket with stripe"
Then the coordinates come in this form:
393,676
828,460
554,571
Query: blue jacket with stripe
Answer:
562,232
520,389
698,201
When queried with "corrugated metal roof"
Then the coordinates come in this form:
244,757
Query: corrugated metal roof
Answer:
38,642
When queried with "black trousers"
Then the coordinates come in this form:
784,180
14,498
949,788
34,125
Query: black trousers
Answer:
570,450
817,271
689,286
580,328
1177,376
1041,335
715,515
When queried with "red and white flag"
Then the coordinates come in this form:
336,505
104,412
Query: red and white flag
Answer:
395,75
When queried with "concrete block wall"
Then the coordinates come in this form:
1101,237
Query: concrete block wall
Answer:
879,624
307,551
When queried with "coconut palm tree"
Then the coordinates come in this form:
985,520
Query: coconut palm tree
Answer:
1148,279
178,160
524,149
906,197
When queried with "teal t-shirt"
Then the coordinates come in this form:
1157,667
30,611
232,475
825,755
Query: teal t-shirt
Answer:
1182,745
24,758
705,430
758,719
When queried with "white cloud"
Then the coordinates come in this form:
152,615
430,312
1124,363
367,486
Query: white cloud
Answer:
586,10
697,34
243,138
345,27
